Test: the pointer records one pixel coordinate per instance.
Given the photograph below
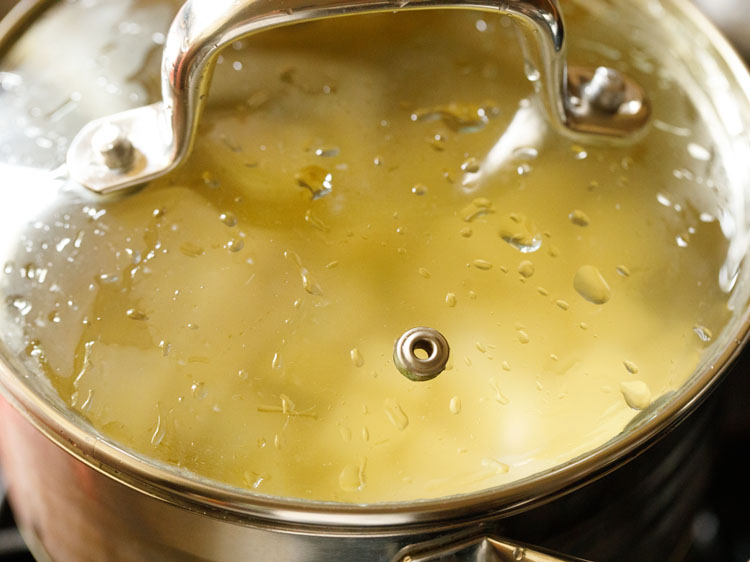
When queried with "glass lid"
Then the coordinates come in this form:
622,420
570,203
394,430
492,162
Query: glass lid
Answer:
249,316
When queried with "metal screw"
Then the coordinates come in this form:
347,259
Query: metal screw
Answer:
115,149
432,343
606,90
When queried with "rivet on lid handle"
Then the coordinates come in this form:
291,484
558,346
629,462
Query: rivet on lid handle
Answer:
578,101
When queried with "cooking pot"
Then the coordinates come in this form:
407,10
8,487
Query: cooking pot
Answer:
80,494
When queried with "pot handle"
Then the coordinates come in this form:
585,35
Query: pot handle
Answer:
135,146
483,548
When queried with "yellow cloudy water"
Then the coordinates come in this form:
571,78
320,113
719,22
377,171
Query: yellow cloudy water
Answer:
355,179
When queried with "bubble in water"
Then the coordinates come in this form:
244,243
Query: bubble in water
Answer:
579,218
316,179
591,285
703,333
636,393
396,414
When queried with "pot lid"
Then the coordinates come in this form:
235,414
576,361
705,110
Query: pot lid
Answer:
384,272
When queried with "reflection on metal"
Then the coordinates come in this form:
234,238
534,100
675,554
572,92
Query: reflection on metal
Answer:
479,549
435,352
163,133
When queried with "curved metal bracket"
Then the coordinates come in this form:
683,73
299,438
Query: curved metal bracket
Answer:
144,143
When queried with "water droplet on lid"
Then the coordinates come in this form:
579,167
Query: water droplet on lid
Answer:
455,405
135,314
523,337
396,414
466,232
327,152
591,285
352,477
276,361
483,265
631,367
663,200
423,272
707,217
235,244
562,304
525,153
636,393
698,152
198,390
209,180
579,218
228,219
450,300
438,142
20,304
703,333
470,165
316,179
520,233
519,553
524,169
243,374
480,25
526,269
531,71
579,153
477,208
623,270
356,357
681,240
419,189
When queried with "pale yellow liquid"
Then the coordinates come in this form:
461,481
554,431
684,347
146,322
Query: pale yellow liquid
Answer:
229,322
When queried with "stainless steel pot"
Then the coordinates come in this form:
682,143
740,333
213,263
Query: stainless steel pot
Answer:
80,496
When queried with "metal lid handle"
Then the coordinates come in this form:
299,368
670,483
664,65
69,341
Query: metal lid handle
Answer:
141,144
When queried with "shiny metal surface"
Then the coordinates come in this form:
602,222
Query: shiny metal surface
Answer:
163,133
417,368
480,549
146,511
